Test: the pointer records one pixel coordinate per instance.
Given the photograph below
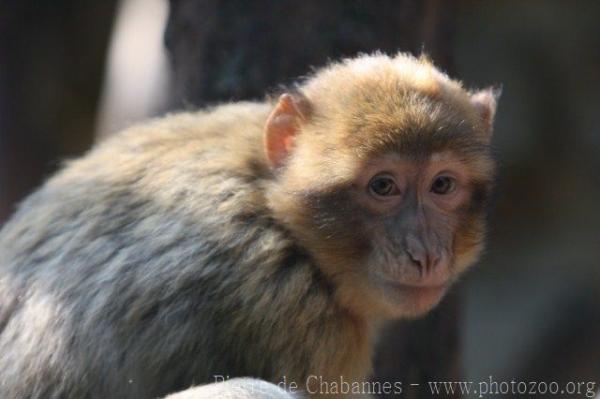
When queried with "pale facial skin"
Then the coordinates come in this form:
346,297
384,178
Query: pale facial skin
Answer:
415,207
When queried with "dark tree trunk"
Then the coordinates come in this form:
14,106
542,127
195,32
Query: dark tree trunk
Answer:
236,50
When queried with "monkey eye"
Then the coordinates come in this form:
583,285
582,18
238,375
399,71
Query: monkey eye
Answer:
443,185
383,186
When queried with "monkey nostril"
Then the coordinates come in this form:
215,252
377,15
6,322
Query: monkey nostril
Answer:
426,261
434,260
418,258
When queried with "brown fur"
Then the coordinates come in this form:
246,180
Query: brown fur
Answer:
175,251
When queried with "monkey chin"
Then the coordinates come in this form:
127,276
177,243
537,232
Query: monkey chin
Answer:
408,301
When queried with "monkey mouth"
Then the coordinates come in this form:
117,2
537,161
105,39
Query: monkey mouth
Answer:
415,299
421,292
432,292
418,288
429,281
437,283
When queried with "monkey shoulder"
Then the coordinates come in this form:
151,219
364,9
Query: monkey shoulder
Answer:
157,232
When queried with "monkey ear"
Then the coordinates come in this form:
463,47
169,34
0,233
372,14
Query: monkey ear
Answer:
282,125
485,102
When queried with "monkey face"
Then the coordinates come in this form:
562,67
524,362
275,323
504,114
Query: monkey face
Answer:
399,232
384,180
425,222
396,225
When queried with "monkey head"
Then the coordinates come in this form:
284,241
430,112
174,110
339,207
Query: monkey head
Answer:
381,170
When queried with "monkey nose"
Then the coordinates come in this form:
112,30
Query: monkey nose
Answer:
425,259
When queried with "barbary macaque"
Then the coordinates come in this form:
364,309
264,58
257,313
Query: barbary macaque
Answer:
268,240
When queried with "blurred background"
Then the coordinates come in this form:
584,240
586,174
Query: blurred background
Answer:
73,72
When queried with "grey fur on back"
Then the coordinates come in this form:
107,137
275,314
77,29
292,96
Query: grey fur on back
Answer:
149,265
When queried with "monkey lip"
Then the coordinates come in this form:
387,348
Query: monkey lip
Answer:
438,281
436,288
421,285
419,288
420,297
